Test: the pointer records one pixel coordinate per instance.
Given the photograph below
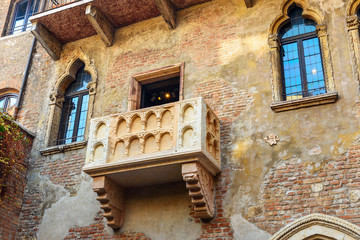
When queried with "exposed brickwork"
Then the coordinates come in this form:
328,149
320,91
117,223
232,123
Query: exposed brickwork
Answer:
220,95
289,191
60,171
12,195
31,213
219,227
64,172
206,44
40,73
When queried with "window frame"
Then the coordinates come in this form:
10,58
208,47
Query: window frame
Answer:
56,99
331,96
7,96
155,75
299,39
26,17
64,116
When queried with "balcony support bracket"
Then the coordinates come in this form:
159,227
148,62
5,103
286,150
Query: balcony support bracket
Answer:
51,44
201,185
112,199
101,25
168,11
248,3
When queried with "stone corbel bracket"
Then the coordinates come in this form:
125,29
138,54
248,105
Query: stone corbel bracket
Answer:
200,184
112,199
248,3
168,11
50,43
101,25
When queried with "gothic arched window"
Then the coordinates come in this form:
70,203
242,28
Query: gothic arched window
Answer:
74,112
302,68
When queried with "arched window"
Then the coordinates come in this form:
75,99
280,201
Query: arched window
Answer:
23,11
302,73
7,103
302,68
74,112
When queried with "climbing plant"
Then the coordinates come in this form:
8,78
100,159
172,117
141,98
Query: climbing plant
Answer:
12,152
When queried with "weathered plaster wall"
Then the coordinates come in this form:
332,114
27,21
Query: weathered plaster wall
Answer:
226,54
14,55
4,9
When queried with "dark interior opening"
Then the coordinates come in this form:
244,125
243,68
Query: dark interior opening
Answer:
162,92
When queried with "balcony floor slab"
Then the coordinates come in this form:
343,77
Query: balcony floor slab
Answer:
160,169
68,23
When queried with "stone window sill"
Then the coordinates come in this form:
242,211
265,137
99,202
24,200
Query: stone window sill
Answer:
305,102
63,148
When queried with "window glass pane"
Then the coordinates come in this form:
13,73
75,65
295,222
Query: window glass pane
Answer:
82,119
291,71
2,103
82,79
11,105
313,66
34,8
298,25
69,121
20,17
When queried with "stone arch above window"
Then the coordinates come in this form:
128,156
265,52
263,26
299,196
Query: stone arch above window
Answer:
353,26
57,98
309,13
318,226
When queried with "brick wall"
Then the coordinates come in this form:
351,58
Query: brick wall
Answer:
4,10
205,47
12,194
14,55
293,189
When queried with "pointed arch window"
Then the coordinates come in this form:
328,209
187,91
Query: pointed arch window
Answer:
302,73
302,68
74,113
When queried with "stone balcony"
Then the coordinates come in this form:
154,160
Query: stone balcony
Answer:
162,144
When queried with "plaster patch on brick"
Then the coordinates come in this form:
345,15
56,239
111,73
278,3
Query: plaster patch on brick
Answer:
317,187
354,196
246,230
69,211
329,5
315,151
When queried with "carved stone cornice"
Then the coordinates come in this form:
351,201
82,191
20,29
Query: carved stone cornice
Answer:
321,31
56,98
63,148
200,184
352,23
274,42
304,102
92,88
